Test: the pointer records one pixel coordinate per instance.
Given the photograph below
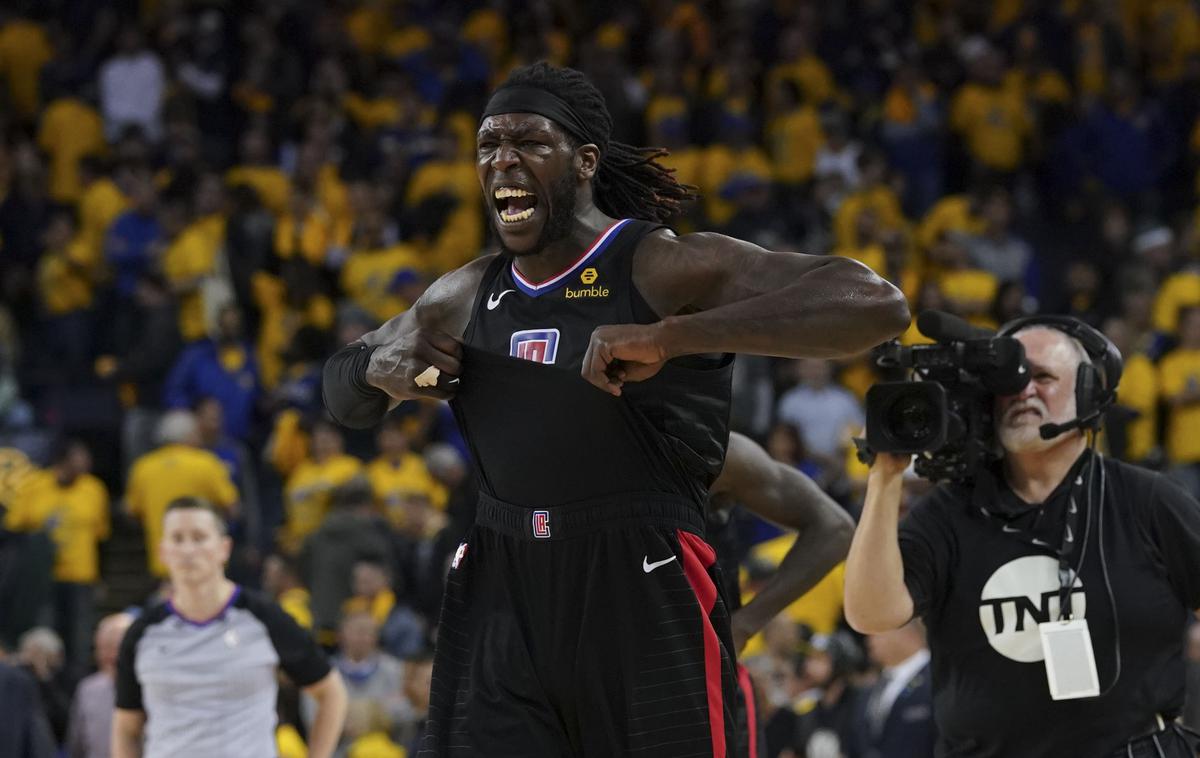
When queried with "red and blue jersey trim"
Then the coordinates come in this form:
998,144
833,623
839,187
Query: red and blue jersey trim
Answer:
593,251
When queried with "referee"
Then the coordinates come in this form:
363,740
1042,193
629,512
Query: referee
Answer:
196,675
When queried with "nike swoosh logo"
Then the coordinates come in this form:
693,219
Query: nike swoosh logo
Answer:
1009,530
494,300
647,566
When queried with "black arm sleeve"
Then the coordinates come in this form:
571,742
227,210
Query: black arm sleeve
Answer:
350,400
299,656
129,689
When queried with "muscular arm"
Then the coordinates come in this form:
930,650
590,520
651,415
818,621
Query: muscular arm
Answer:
719,294
127,729
364,380
782,494
877,599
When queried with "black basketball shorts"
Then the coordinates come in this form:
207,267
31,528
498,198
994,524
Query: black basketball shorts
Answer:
592,630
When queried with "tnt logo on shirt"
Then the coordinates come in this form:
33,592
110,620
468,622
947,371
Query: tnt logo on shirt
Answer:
537,345
541,524
1020,595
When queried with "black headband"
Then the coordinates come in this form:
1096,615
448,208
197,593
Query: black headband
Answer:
522,99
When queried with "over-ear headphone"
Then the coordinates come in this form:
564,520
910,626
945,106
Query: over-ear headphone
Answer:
1095,383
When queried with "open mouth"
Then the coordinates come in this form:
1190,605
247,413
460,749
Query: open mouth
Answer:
514,204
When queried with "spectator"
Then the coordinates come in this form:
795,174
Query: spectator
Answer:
897,716
132,84
367,729
370,674
129,251
997,248
140,366
993,121
90,731
210,423
24,730
829,708
1179,377
223,368
401,630
72,505
281,581
399,475
1131,427
40,653
823,412
66,287
352,532
309,489
179,467
418,676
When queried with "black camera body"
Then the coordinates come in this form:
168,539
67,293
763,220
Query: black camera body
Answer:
944,414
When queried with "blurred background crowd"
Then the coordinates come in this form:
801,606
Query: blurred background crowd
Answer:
200,200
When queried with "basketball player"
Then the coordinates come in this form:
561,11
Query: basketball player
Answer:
784,495
582,616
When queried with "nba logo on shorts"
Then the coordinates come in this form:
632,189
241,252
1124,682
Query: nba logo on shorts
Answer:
459,554
541,524
537,345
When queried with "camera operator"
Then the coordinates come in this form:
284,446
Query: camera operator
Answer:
1055,585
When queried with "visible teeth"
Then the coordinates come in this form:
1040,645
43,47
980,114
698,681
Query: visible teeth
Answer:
519,216
506,192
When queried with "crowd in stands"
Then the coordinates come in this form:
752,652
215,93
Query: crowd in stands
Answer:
201,199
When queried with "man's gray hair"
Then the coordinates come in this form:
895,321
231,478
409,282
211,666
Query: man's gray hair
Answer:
177,427
40,637
1080,351
442,459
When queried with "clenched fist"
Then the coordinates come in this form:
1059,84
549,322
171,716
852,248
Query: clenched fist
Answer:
623,353
395,365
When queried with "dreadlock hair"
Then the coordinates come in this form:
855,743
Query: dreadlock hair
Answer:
629,182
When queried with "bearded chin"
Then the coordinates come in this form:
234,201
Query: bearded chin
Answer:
1027,438
1024,439
562,215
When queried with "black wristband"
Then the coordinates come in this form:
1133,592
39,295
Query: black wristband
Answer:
350,400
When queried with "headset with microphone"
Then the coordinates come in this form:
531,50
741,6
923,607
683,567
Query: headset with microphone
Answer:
1095,390
1095,382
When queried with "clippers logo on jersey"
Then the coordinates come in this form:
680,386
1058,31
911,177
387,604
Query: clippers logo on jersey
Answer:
541,524
1020,595
537,345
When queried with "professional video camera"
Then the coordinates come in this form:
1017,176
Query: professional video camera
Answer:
945,414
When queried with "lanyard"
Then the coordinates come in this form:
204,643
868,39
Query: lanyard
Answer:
1067,575
1072,540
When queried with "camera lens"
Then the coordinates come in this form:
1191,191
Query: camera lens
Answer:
910,419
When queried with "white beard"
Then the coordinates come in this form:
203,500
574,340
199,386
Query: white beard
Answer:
1027,438
1024,439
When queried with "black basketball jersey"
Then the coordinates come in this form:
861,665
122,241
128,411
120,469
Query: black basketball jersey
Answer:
551,322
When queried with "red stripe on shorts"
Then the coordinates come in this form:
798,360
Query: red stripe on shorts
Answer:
751,717
697,556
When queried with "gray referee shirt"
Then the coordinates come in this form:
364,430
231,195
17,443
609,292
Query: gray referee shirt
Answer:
209,689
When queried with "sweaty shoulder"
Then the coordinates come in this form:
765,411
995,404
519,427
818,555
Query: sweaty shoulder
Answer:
697,272
446,305
676,273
